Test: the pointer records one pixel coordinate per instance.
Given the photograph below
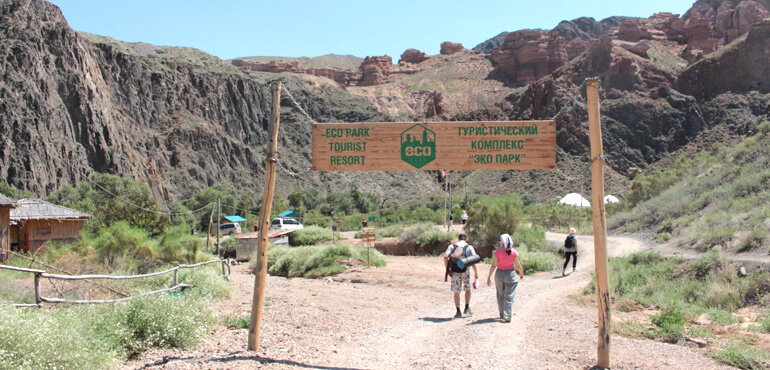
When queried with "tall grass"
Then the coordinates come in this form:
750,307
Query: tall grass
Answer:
95,337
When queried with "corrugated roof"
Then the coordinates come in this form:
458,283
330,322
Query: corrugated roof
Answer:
5,201
270,234
37,209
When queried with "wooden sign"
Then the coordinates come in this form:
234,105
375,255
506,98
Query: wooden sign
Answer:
385,146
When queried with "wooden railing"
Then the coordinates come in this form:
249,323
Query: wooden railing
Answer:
39,299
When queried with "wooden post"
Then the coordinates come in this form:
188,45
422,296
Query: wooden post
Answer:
260,273
219,222
176,275
600,225
38,301
208,231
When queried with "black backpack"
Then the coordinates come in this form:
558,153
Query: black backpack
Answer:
569,242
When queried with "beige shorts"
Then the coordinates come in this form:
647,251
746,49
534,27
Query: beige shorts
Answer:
461,281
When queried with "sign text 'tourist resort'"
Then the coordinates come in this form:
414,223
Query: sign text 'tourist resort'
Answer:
393,146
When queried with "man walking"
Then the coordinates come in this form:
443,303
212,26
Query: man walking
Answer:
461,280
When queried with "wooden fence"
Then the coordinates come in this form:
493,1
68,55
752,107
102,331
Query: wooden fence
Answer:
39,299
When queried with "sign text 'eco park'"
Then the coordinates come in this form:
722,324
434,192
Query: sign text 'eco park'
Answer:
522,145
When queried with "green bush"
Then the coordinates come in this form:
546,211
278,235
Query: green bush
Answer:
316,261
310,235
670,323
533,262
426,236
492,217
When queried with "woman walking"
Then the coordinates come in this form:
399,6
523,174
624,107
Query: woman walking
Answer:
570,249
506,279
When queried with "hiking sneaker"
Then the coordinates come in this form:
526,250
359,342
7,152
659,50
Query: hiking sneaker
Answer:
468,311
574,270
507,319
563,272
458,315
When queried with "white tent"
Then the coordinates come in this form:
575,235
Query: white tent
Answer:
575,200
610,199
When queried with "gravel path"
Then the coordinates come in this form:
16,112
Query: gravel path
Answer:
400,317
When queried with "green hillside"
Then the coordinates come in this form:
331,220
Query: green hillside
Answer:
719,196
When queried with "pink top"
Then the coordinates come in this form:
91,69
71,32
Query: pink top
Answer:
504,260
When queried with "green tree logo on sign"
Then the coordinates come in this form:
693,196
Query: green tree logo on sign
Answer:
418,146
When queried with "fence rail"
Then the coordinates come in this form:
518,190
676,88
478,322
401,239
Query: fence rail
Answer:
39,299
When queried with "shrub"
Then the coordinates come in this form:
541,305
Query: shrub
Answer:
425,236
670,323
316,261
163,321
310,235
228,247
491,217
533,262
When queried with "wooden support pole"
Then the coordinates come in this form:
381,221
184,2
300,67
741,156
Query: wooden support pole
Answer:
219,223
208,231
38,300
600,225
260,273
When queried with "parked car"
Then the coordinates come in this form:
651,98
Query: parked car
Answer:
229,229
285,224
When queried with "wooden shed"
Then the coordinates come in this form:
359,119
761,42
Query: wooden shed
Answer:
246,244
6,204
35,222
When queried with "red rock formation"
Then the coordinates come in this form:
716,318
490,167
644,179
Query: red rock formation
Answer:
449,48
633,30
529,55
375,70
729,18
344,77
700,35
413,56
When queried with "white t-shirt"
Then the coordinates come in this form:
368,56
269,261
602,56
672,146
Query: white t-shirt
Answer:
464,216
468,252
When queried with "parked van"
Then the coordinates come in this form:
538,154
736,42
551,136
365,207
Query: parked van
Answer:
285,224
229,229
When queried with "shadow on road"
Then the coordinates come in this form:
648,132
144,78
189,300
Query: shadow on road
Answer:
436,319
242,356
485,321
560,276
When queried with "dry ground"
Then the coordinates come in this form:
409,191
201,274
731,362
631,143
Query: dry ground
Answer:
400,316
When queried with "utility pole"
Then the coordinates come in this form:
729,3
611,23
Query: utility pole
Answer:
600,226
260,272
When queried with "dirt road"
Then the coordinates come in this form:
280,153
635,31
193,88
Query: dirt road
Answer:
400,317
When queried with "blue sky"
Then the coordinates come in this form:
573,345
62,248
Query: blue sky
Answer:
230,29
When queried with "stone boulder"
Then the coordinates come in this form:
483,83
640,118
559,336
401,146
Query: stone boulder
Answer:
449,48
375,70
413,56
